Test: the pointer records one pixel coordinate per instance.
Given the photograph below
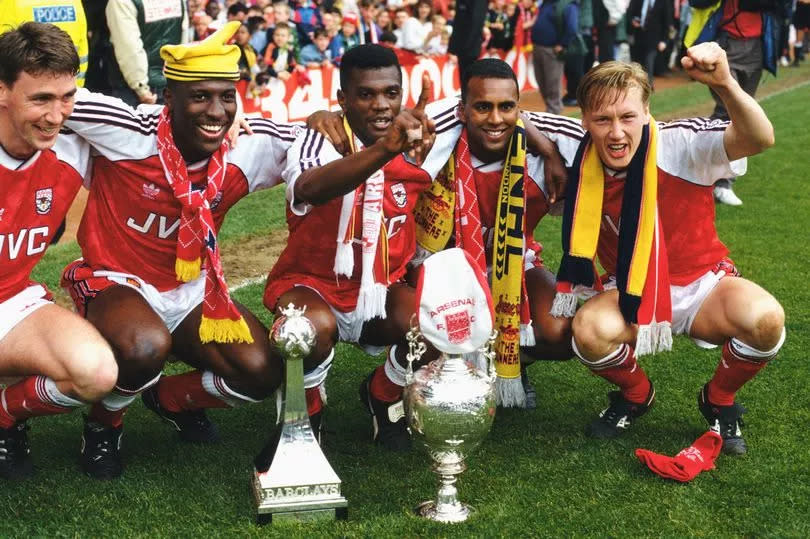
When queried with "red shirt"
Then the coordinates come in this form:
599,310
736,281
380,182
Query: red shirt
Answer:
309,256
34,198
740,24
131,220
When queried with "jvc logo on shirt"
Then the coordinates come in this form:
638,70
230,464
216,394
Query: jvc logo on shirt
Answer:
55,14
35,241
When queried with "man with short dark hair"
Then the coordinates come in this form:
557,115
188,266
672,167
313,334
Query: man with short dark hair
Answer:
485,156
151,278
352,229
63,361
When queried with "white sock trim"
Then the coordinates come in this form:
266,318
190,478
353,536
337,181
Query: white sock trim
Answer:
215,386
613,359
393,370
51,394
317,376
121,397
746,352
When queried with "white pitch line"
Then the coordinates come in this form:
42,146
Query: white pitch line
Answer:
247,282
786,90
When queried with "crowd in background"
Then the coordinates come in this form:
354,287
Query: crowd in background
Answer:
283,39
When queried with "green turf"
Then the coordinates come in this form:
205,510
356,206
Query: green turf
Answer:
536,474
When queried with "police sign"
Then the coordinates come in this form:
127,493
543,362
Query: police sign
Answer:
54,14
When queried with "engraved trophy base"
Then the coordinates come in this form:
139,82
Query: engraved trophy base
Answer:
299,484
447,513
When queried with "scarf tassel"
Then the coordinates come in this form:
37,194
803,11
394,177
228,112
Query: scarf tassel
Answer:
564,304
224,330
509,392
654,337
344,259
371,301
527,335
187,270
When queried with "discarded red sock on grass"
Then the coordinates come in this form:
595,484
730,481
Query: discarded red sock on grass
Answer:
687,464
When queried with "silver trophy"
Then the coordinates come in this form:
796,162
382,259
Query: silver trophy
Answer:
450,405
292,478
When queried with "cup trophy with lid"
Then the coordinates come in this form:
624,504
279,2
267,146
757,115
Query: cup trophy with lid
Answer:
292,478
450,403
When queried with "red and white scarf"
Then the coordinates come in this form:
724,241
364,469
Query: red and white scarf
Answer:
197,237
374,241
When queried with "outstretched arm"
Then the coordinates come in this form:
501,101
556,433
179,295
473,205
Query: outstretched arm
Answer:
750,131
319,185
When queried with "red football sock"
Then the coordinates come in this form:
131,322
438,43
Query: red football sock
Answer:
314,402
384,389
687,464
109,418
731,374
22,400
628,375
185,392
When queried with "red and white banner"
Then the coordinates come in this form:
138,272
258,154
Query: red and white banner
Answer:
288,101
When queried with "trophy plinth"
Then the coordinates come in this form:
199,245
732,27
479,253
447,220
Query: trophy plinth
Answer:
292,478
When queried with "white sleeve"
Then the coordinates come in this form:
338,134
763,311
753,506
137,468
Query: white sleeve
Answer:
536,172
563,131
125,36
114,129
75,151
310,149
693,150
448,130
262,156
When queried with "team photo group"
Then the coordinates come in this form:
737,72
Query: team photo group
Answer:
400,221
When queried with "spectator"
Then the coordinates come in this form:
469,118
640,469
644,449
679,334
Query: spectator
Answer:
466,40
384,22
136,43
214,10
606,16
650,21
201,26
438,33
499,26
346,38
307,17
248,64
279,56
317,53
281,16
528,13
400,16
368,30
751,44
556,27
237,12
577,64
415,30
331,22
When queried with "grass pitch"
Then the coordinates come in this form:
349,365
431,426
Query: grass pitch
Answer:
536,474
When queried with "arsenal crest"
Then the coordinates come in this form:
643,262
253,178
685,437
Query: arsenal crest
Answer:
43,200
400,195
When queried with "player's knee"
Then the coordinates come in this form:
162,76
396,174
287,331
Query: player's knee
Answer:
260,372
146,352
94,373
590,328
769,324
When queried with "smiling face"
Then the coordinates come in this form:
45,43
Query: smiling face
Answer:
490,113
32,111
201,114
615,126
371,100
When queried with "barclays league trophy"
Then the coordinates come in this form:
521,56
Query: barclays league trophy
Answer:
292,478
450,403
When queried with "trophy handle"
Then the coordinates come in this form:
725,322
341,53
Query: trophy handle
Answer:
416,347
488,351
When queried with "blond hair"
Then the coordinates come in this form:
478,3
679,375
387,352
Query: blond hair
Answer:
611,80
